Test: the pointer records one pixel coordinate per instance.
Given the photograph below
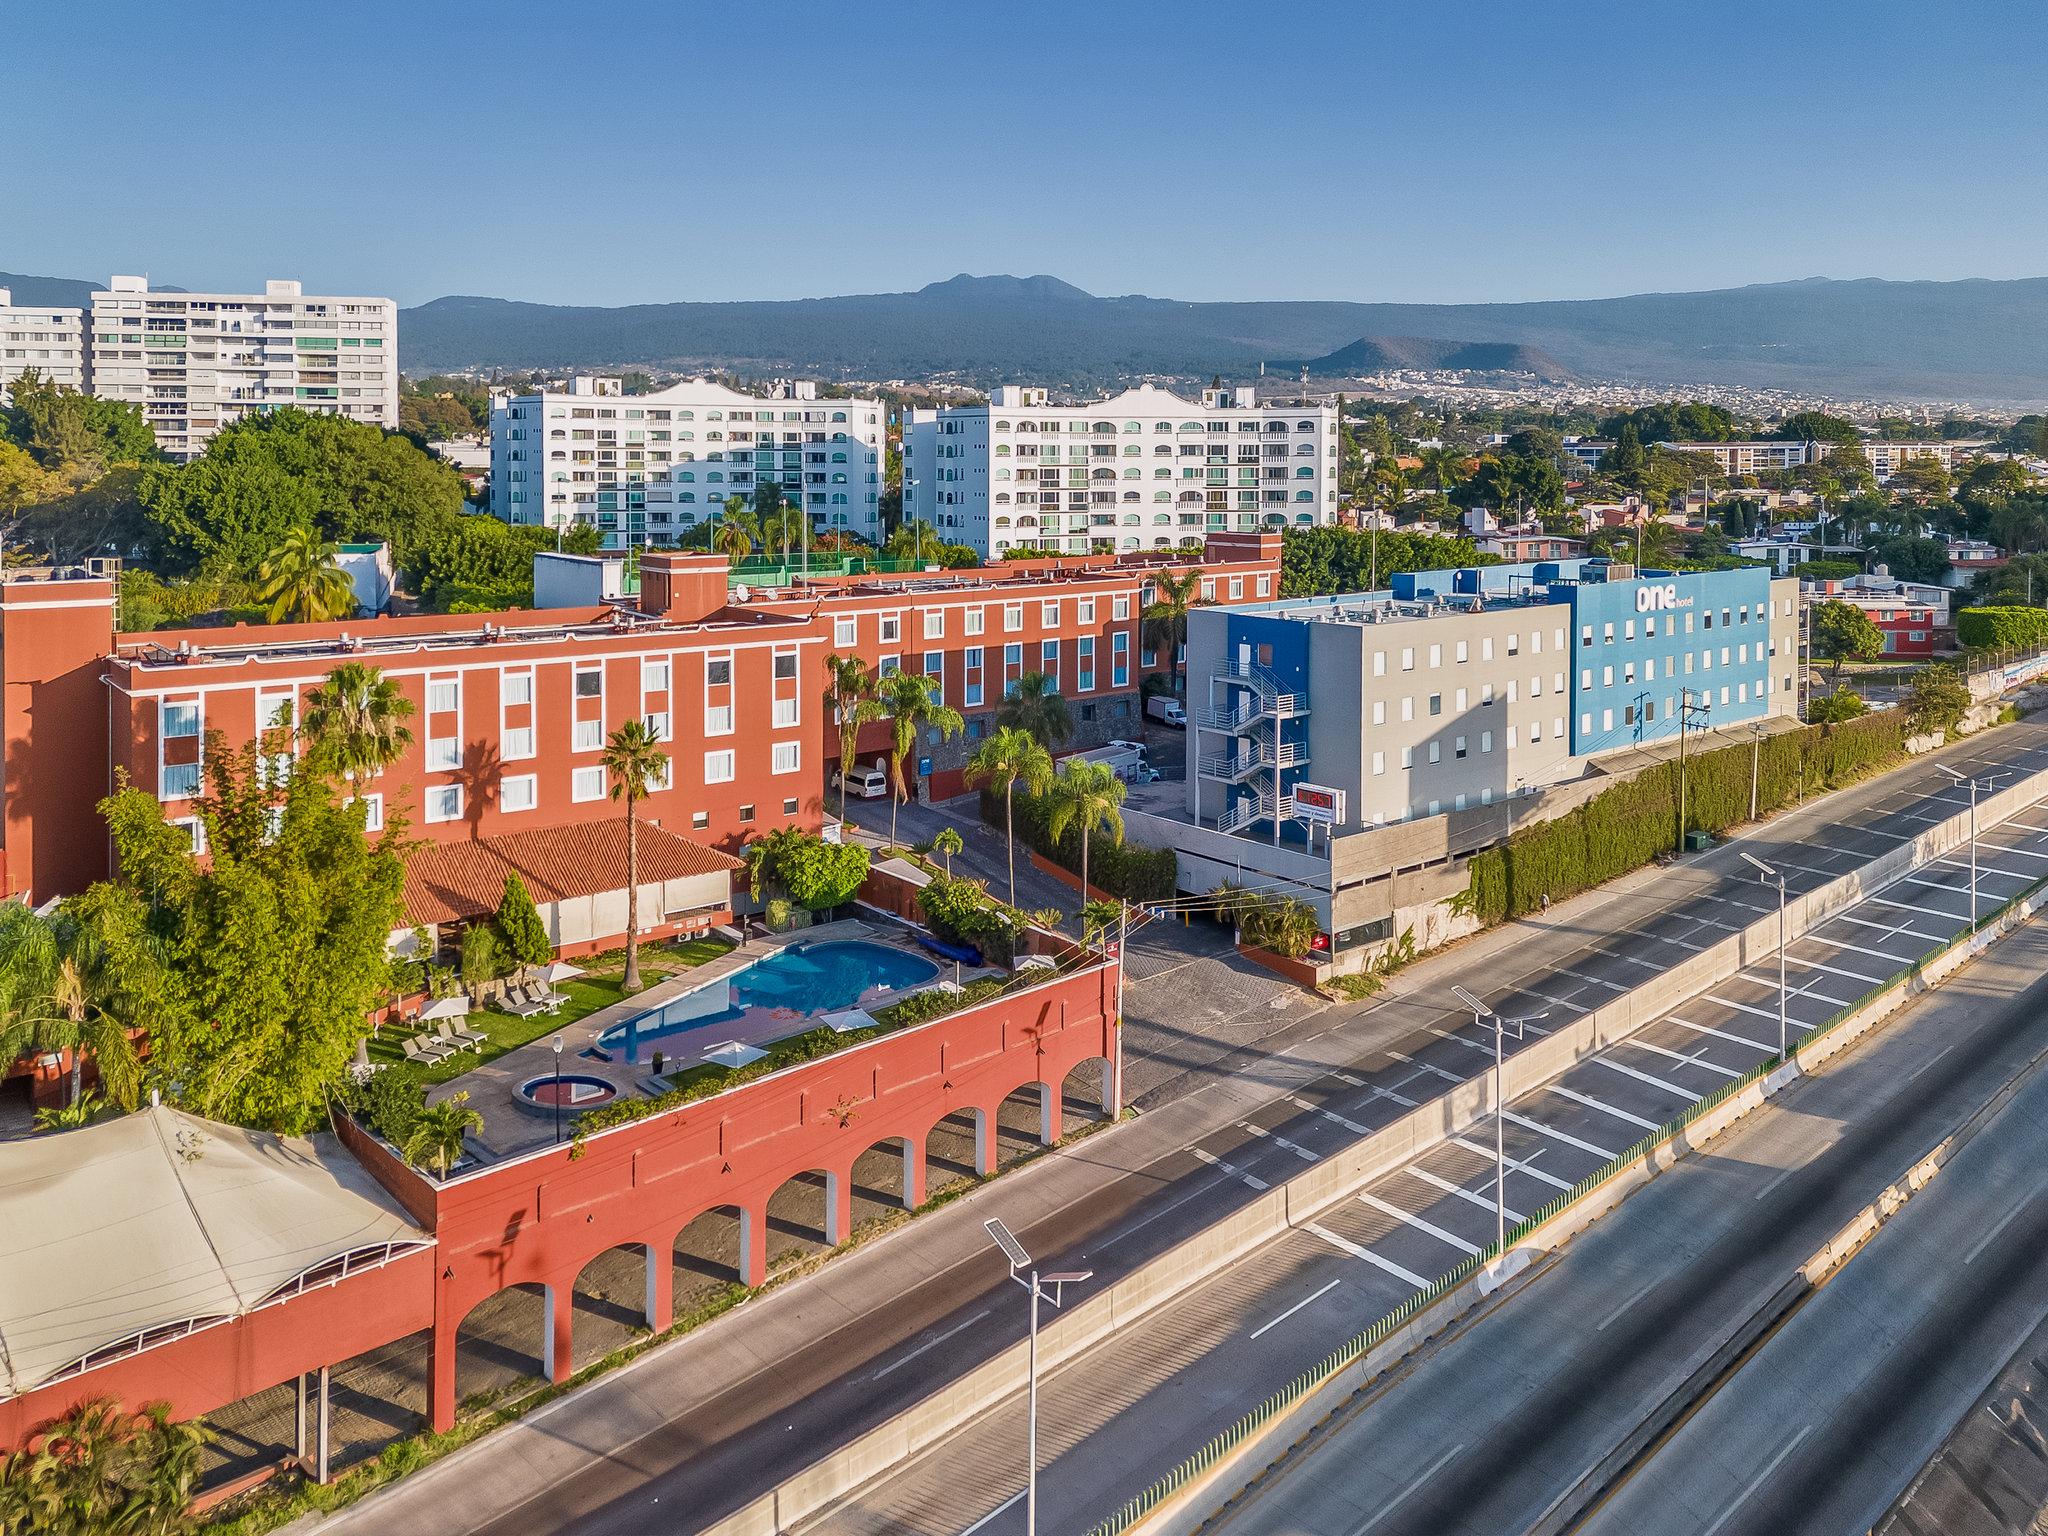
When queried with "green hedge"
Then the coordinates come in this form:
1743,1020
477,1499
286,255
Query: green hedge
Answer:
1127,869
1625,827
1982,628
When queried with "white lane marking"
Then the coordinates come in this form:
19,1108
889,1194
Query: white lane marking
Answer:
1344,1244
1984,867
1348,1079
1907,906
2025,853
1612,986
1633,1297
1817,965
1418,1223
1403,1496
1279,1141
1236,1173
1757,1482
1875,954
1904,929
2003,1222
1655,1081
1690,1061
1571,1141
1520,1167
1560,1002
1592,1103
1762,1013
929,1344
1775,1180
1330,1114
1276,1322
1424,1066
1469,1196
984,1520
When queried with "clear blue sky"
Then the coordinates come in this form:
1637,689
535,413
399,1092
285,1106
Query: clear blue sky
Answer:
585,152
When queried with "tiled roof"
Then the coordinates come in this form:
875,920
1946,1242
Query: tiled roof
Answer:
452,882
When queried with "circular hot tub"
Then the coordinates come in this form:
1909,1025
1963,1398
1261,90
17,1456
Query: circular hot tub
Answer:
570,1094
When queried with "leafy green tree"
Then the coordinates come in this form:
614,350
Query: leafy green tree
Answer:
260,959
303,582
922,544
1035,705
1936,698
103,1471
1843,633
818,875
59,993
1912,559
1816,427
1098,917
436,1137
25,483
1673,421
635,767
1445,467
523,934
1512,484
1166,619
1089,796
354,724
1922,476
853,695
78,435
1286,927
1667,474
1007,758
221,517
911,704
737,531
1834,708
1624,461
483,959
1319,561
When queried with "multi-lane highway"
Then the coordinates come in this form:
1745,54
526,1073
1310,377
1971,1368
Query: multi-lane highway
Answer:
1490,1428
775,1386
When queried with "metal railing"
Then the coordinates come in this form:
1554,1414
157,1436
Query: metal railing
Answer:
1346,1354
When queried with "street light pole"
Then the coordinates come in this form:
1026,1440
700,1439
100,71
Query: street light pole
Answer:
1501,1028
1686,710
1974,784
1036,1284
558,1089
1770,874
1756,752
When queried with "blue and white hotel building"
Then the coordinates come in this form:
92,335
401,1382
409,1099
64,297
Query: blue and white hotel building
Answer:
1458,688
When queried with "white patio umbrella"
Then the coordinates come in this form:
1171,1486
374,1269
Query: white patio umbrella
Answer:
445,1008
560,970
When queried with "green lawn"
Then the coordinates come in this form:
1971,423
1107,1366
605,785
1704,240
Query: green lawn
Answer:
600,987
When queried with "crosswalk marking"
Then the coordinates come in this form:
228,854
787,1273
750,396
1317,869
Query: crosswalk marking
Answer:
1419,1224
1235,1172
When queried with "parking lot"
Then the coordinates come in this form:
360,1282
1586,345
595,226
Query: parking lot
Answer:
1184,1373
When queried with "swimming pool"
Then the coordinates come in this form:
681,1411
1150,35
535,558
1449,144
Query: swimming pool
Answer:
772,997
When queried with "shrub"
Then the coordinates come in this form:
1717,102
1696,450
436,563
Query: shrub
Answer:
1987,628
778,914
391,1100
936,1002
1286,927
521,934
1834,708
483,958
815,874
1936,699
959,910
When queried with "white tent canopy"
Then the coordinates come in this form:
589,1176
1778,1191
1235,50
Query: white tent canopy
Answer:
560,970
158,1219
453,1007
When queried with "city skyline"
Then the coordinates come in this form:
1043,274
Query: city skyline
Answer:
551,160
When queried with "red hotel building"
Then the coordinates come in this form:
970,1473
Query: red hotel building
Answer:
512,709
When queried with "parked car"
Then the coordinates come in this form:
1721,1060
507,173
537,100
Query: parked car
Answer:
865,783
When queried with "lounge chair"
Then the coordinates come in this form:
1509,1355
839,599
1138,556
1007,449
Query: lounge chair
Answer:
550,999
461,1038
427,1049
521,1003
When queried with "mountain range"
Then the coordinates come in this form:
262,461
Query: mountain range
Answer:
1976,339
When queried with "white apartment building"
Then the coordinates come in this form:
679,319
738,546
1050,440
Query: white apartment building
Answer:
1886,459
1754,457
49,339
1141,470
647,469
198,362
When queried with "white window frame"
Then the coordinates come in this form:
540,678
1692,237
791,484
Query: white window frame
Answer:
587,783
786,757
528,783
720,767
443,802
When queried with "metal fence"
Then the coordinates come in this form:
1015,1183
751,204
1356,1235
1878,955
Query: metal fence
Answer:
1310,1380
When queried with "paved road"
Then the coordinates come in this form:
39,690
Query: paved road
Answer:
776,1385
1822,1427
1182,1375
1489,1427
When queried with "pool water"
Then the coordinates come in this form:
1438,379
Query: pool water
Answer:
772,997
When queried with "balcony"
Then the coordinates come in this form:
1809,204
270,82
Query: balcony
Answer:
1263,757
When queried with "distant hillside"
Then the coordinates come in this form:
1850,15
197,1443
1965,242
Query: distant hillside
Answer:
1381,354
1975,339
60,292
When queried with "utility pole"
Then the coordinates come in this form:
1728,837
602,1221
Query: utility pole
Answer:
1686,710
1116,1060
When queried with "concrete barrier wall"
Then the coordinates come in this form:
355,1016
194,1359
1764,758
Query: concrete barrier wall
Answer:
1308,1193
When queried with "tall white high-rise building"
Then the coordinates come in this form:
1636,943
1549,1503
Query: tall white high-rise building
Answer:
1141,470
197,362
49,338
647,469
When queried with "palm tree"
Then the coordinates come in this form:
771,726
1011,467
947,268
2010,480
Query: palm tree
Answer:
58,994
1166,618
1097,918
355,721
1445,466
302,581
911,706
918,542
737,531
634,764
1034,705
436,1137
945,845
1003,759
1086,795
852,697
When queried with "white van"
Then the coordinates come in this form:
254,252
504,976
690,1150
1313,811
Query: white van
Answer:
865,783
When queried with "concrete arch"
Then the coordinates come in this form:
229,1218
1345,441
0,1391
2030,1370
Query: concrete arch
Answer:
888,1176
710,1252
958,1146
615,1297
805,1214
489,1357
1087,1089
1028,1118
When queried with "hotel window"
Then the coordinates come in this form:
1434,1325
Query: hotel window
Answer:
590,682
178,720
892,628
1379,663
588,736
1436,656
789,807
1407,658
587,783
1084,610
974,619
1607,634
889,666
935,668
934,623
1628,629
519,792
1049,615
444,802
1379,711
1436,703
788,756
444,752
1407,707
1436,751
442,695
1049,659
1084,665
1586,634
699,820
515,688
1407,757
1120,606
718,767
1119,659
657,724
1464,652
845,632
1379,762
1460,747
1606,719
1514,645
1013,617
